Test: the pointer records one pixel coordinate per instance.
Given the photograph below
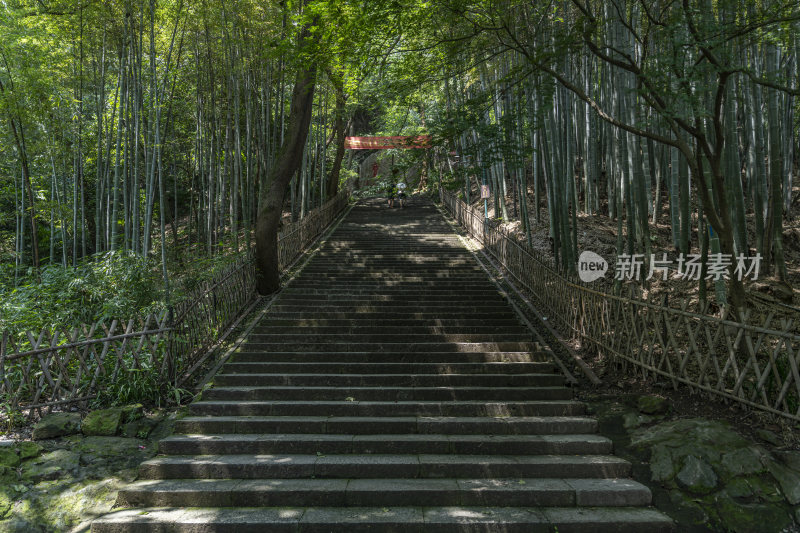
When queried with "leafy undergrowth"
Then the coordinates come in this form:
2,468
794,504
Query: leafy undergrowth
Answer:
115,285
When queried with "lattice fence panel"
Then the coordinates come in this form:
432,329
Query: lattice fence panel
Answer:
754,364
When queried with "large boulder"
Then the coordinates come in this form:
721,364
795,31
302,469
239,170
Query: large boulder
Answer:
57,425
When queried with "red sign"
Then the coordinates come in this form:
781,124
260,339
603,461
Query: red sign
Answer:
374,169
385,143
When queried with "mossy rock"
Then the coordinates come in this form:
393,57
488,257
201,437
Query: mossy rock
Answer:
662,467
652,405
690,432
106,446
738,517
769,437
697,476
139,429
6,502
7,475
103,422
28,450
9,457
57,425
72,506
53,465
131,413
743,461
687,510
788,479
790,459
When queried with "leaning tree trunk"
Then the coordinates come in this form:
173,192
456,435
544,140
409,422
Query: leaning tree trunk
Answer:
289,156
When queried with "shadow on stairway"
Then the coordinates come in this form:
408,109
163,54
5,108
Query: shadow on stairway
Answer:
390,387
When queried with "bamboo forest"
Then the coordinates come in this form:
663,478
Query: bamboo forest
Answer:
486,238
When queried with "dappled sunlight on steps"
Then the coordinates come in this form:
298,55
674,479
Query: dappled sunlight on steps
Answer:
390,387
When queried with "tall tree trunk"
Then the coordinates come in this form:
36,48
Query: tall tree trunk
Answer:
340,128
288,161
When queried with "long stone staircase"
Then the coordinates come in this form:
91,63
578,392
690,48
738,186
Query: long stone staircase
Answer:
390,387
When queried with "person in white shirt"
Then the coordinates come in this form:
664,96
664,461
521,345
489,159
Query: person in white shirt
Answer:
401,193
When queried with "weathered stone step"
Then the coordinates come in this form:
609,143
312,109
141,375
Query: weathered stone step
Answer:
397,347
443,275
397,408
328,443
394,291
356,466
390,300
394,329
378,307
382,393
253,355
250,379
375,425
381,492
390,315
438,269
269,367
387,519
389,337
444,284
391,372
404,254
348,323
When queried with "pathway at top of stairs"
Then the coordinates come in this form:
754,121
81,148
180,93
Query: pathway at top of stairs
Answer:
390,387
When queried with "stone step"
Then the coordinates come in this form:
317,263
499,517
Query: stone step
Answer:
396,347
393,307
228,378
252,355
390,315
388,368
328,443
250,393
352,323
382,492
393,329
389,388
387,275
439,270
387,337
397,408
375,425
383,300
346,291
356,466
387,519
365,284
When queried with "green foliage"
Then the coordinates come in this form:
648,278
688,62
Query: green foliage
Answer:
116,285
137,385
10,417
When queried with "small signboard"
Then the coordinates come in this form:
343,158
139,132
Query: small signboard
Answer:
485,194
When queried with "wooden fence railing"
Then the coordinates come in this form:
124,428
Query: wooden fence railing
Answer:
754,364
73,365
